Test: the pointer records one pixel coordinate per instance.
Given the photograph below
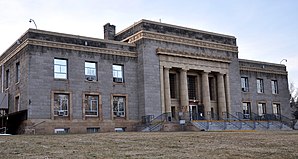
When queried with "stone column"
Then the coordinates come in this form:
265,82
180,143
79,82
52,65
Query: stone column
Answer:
162,96
183,90
167,90
221,99
228,96
206,95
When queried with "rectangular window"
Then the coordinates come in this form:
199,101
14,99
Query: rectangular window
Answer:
61,131
276,109
7,79
246,110
60,68
274,87
173,85
260,86
93,130
17,103
261,109
191,81
17,72
91,105
119,106
61,104
118,73
90,71
244,84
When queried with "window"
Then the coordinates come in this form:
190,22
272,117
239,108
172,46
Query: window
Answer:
91,105
244,84
61,131
61,104
60,68
17,72
260,86
173,85
274,87
118,106
246,110
93,130
191,87
7,79
118,73
17,103
90,71
276,109
261,109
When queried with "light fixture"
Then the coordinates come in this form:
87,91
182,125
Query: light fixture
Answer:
31,20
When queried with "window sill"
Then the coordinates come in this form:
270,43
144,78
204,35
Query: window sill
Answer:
91,81
116,83
91,116
60,79
119,118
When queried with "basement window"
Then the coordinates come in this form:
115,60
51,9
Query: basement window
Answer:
93,130
61,130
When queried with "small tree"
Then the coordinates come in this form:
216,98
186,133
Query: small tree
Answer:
294,100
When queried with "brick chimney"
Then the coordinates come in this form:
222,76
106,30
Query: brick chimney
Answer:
109,31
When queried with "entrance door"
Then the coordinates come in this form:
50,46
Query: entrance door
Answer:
173,111
193,112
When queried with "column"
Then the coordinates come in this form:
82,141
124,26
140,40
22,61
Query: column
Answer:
167,92
206,95
221,99
162,96
183,90
228,96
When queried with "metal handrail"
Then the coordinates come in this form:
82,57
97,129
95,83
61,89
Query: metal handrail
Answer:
228,119
257,118
242,118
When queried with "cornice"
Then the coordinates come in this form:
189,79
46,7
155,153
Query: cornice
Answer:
79,37
270,71
52,44
180,40
192,55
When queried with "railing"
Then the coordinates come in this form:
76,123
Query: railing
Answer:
158,121
3,130
243,117
229,117
287,121
215,119
257,118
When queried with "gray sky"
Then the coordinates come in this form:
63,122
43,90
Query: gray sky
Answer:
266,30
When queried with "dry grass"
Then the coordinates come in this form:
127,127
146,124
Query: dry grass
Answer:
271,144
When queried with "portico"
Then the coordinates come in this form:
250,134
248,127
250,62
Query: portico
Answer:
200,90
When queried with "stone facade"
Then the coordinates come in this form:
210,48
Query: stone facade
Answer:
165,69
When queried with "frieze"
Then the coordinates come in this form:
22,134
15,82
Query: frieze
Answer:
270,71
180,40
192,55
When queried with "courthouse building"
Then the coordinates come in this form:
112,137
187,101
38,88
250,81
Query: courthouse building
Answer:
54,82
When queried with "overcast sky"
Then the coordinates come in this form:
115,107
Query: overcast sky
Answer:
266,30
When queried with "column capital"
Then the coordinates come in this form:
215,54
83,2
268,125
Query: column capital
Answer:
167,67
184,70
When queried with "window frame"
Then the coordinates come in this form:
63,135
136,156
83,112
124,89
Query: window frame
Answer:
173,81
87,102
91,77
125,111
117,78
17,72
61,66
246,112
274,86
264,109
69,111
278,110
260,85
7,79
244,84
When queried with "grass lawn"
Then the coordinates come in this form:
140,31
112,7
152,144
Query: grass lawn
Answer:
260,144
